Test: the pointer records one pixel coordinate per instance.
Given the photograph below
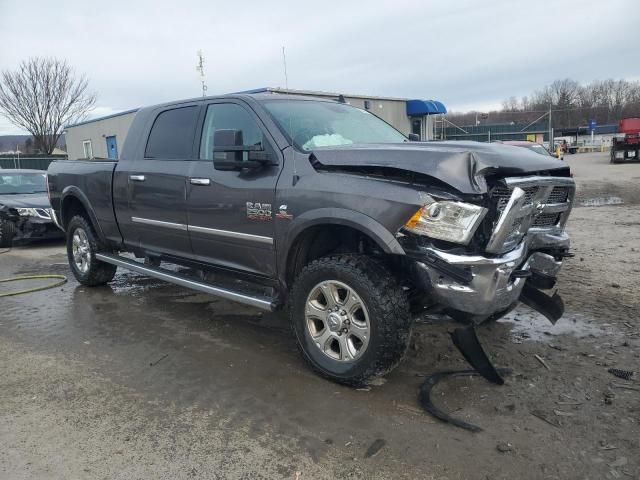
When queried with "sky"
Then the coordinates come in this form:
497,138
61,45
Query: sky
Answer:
468,54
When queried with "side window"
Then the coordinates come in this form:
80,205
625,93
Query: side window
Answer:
172,134
224,116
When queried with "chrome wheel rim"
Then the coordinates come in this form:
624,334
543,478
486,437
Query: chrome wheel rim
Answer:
337,321
81,250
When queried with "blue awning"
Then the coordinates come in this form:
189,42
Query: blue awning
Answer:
418,108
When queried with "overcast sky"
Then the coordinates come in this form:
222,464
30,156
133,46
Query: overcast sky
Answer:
468,54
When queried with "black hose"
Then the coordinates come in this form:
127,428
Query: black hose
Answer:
424,397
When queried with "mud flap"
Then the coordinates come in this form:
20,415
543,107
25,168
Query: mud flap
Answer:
467,342
551,307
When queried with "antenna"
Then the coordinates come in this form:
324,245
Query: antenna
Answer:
286,86
286,78
200,68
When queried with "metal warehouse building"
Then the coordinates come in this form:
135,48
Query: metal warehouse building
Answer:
104,137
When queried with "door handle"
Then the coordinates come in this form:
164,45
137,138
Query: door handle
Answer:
200,181
136,178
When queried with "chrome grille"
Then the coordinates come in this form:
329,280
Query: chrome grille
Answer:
546,220
558,195
528,202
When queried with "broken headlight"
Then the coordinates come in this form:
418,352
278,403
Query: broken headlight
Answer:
27,212
447,220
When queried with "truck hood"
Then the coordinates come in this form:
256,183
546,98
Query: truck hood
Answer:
25,200
462,165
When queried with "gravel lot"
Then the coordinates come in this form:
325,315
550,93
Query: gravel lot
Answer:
141,379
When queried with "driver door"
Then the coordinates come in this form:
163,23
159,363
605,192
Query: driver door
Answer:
230,212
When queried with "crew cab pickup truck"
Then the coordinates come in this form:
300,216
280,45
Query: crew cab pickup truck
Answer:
323,209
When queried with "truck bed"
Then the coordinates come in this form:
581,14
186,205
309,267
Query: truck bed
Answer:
86,178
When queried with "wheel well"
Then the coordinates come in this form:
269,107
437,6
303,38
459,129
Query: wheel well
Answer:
71,207
321,240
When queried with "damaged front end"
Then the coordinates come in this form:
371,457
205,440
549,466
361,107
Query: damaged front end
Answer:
30,223
521,253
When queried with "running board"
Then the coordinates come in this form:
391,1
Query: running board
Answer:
184,281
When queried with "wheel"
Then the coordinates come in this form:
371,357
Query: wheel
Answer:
82,246
7,232
350,317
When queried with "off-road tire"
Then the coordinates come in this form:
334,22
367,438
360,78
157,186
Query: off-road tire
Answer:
98,272
386,303
7,232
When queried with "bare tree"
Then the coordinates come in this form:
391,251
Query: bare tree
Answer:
43,96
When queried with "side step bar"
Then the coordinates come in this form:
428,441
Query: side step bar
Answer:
184,281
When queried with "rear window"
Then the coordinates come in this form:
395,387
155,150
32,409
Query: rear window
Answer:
171,136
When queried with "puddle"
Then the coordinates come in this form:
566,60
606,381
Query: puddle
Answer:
601,201
132,283
528,325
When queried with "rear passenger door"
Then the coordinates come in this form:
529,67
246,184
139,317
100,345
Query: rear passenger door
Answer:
157,182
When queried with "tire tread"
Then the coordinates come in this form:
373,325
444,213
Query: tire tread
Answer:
395,327
99,272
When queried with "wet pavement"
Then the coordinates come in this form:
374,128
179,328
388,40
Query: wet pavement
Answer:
142,379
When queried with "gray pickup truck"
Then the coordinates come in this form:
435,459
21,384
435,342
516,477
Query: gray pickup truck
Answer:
314,205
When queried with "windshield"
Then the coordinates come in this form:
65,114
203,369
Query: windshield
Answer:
538,149
17,183
314,125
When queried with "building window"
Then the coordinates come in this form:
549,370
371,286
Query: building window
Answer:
88,150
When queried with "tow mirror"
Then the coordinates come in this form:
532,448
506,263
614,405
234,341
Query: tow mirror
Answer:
229,152
414,137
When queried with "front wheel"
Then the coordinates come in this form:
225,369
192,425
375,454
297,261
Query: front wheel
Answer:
82,246
350,317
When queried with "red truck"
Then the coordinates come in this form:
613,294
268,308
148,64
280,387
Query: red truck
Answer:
627,147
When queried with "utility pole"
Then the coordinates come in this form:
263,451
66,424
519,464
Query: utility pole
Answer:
200,68
550,131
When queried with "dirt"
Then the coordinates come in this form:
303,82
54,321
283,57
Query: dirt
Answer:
141,379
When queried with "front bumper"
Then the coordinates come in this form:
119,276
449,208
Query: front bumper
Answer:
34,228
487,285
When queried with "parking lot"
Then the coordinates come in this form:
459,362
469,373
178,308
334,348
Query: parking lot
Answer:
142,379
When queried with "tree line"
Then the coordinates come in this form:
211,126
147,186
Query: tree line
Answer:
572,104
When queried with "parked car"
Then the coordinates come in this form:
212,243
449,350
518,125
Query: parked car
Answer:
535,147
25,212
322,208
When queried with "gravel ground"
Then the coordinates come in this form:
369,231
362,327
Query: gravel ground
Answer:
141,379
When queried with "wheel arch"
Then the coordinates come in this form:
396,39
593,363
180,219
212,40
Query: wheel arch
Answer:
74,202
307,226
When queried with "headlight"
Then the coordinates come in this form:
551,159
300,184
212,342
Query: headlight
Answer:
446,220
27,212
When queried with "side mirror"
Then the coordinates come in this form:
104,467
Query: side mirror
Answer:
414,137
229,149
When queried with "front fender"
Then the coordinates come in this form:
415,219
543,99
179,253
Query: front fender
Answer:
335,216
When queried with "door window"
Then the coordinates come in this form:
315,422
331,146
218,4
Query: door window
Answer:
88,151
225,116
416,126
171,136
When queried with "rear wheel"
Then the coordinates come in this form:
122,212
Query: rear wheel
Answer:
350,317
7,232
82,246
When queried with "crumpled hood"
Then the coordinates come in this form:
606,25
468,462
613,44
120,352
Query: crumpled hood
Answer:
462,165
26,200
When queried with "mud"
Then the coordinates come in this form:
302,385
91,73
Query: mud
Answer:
141,379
